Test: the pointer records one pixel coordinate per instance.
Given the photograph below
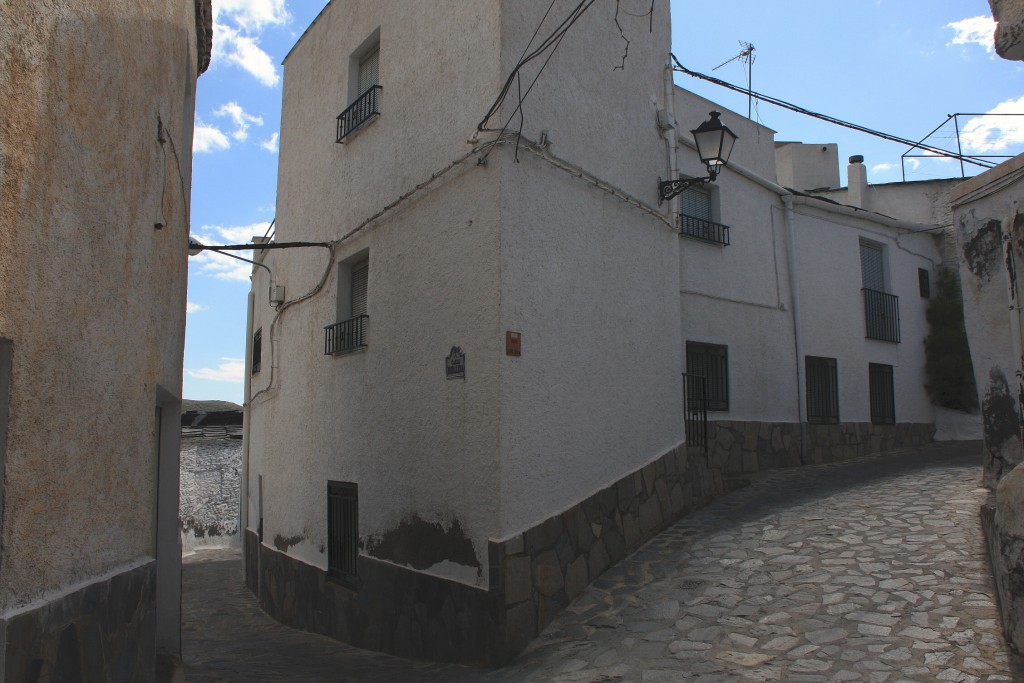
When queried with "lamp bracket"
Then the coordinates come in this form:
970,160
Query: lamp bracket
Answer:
667,189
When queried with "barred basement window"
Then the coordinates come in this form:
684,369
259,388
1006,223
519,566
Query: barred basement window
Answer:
342,532
257,350
711,362
883,401
822,390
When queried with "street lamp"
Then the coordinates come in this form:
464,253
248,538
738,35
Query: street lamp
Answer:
714,146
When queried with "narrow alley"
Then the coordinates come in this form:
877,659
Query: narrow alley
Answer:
872,570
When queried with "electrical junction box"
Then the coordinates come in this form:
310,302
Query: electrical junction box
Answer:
277,294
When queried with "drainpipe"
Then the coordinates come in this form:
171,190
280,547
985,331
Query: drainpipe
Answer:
671,135
794,293
243,489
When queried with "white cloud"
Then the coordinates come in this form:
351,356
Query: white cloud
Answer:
192,308
984,134
219,266
252,15
208,138
270,144
228,370
974,30
241,119
882,167
233,47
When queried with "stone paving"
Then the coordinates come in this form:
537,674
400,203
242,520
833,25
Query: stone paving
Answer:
872,570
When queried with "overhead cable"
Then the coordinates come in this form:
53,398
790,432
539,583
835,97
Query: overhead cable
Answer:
937,151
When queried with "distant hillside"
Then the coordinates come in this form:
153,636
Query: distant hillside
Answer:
190,406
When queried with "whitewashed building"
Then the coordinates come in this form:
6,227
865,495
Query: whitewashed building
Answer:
95,168
469,400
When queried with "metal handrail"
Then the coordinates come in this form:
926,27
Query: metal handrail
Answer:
704,230
365,107
345,336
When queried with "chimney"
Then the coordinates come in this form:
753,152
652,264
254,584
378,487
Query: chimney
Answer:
857,182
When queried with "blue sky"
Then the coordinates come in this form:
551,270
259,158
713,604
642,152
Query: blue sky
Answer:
899,66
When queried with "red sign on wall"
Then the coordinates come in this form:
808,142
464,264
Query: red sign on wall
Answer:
513,343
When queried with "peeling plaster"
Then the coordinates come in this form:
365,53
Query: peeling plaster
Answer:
1002,423
423,545
982,250
282,543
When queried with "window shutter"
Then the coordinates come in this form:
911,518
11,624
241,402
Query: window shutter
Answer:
871,267
360,282
369,70
696,203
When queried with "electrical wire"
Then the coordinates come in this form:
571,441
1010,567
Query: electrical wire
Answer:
938,151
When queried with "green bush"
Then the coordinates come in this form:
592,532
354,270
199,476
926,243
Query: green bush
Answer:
950,375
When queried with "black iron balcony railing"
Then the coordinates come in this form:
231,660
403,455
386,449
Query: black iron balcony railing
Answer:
346,336
695,411
881,315
359,112
700,229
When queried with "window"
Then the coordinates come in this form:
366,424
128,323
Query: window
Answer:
342,532
364,89
880,387
924,284
349,333
881,310
369,70
257,350
822,390
872,266
710,361
697,216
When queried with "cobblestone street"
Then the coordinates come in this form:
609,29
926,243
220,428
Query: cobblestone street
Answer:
865,571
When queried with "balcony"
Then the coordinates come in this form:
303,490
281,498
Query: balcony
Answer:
705,231
365,108
346,336
881,315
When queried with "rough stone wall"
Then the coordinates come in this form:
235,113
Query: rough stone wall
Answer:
1010,30
95,169
990,231
210,484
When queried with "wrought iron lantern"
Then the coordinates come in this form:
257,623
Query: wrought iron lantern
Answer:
714,146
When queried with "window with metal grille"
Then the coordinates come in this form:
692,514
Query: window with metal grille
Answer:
360,283
883,401
711,362
696,203
872,266
369,70
257,350
924,284
822,390
342,532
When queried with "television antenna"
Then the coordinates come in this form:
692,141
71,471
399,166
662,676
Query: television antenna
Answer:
746,56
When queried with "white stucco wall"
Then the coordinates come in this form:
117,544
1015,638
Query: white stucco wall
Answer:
210,484
95,303
807,166
832,309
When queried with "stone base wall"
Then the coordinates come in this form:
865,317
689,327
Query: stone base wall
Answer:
1002,520
532,575
536,573
395,610
738,448
103,632
543,569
